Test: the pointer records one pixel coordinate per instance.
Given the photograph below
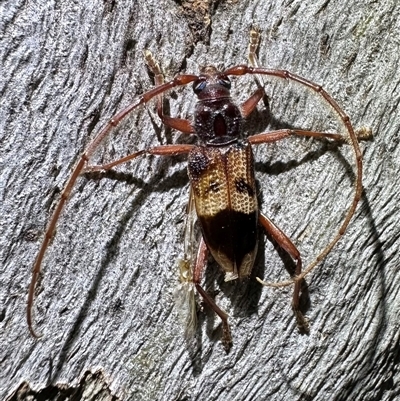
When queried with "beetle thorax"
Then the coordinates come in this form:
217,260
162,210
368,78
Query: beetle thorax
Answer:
217,121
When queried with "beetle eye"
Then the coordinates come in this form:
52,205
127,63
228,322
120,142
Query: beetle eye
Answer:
198,86
225,82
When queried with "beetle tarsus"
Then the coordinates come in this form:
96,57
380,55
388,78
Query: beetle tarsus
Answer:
302,322
226,337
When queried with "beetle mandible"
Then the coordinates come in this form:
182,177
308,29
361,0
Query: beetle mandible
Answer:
221,173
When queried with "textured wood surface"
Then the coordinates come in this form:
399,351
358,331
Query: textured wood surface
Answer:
106,302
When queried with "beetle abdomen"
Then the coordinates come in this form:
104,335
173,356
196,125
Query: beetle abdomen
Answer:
223,183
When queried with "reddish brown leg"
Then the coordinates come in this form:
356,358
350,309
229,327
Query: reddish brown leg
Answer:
285,243
198,272
273,136
250,104
163,150
179,124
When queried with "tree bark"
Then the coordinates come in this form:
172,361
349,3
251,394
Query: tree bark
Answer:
106,301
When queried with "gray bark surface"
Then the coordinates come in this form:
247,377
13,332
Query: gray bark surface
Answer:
106,303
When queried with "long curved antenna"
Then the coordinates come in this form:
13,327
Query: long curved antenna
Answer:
79,167
243,69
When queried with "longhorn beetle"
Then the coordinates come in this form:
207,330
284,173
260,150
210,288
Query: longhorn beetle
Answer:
221,173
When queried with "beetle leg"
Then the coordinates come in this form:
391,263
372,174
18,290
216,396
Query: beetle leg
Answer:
285,243
273,136
197,274
179,124
250,104
163,150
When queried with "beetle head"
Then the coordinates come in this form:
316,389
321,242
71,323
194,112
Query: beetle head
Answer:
211,84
